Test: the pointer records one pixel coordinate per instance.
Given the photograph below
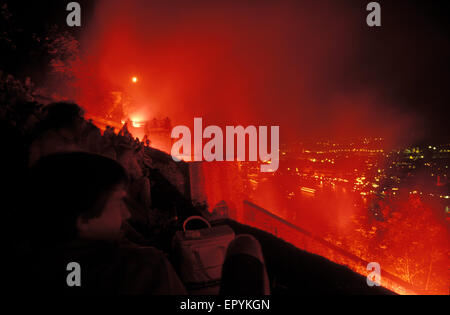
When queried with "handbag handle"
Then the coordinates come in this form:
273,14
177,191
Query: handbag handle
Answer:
195,217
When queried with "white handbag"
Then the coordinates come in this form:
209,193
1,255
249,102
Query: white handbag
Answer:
199,254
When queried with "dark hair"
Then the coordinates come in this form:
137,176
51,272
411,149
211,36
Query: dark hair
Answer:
59,115
66,186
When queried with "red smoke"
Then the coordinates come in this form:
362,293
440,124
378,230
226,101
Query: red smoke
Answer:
271,63
313,69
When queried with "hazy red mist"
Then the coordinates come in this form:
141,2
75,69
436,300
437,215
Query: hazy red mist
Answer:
301,65
272,63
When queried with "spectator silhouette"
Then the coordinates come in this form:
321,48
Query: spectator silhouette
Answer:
76,206
60,131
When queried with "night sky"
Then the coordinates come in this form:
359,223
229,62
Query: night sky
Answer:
313,67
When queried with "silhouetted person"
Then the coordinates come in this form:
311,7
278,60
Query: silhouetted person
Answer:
60,131
75,212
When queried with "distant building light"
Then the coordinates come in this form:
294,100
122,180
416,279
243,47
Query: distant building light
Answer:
137,124
308,190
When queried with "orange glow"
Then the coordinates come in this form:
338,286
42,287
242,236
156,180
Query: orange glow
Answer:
178,85
329,223
308,190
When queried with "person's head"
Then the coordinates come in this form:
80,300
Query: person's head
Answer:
76,195
127,158
63,116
